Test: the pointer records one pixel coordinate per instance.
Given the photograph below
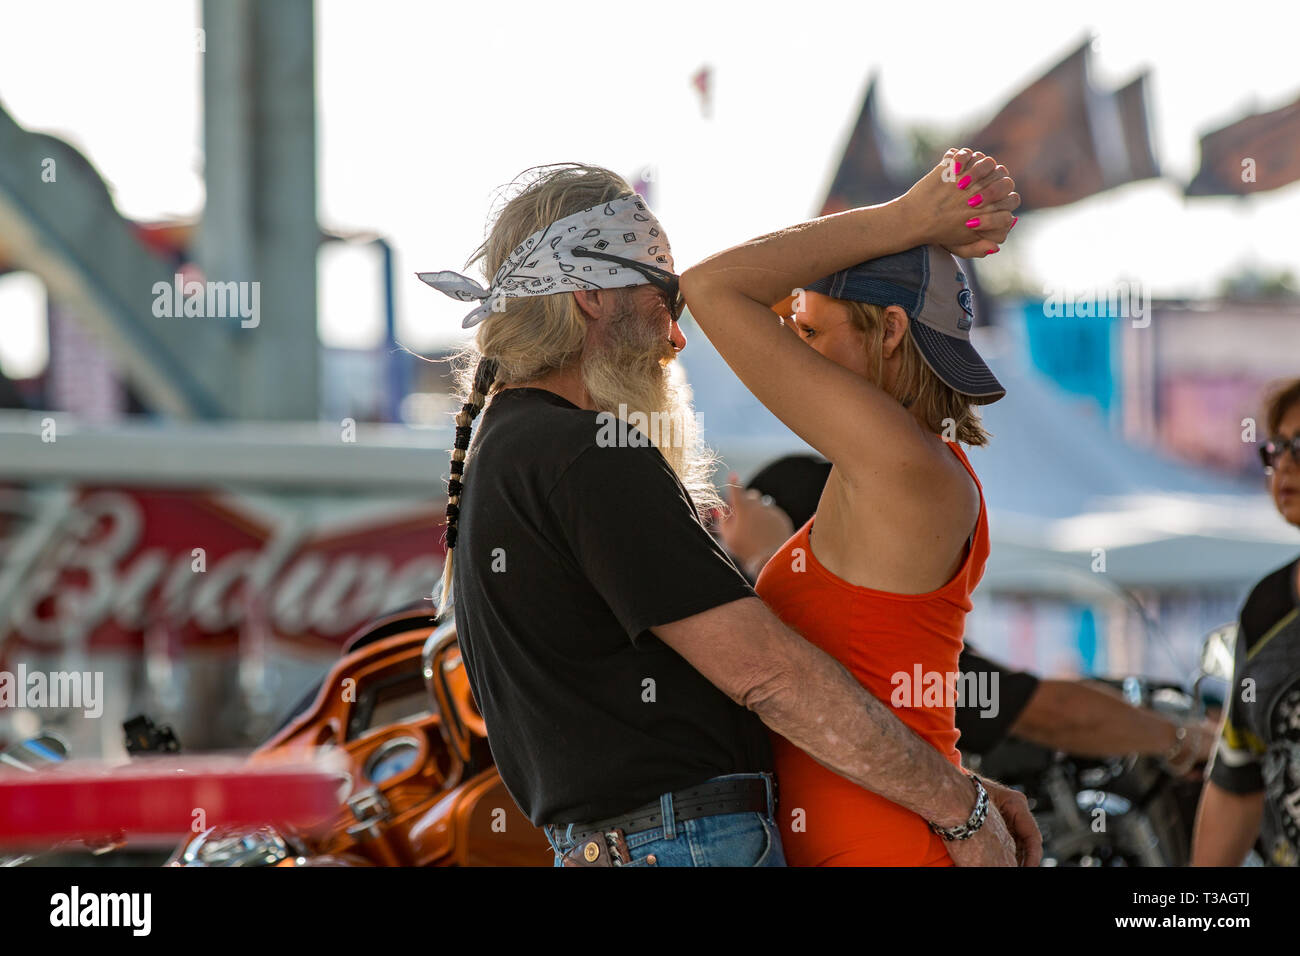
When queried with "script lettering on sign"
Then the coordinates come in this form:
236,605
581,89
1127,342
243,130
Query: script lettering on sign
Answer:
121,560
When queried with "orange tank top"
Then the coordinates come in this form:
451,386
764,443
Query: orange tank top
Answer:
903,648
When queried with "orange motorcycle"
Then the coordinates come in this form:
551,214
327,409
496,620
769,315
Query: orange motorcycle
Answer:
421,789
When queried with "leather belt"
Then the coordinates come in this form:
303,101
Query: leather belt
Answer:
705,800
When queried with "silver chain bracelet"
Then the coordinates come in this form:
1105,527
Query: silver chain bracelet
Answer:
964,831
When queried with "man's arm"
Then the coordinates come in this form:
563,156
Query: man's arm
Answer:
806,696
1093,720
1227,825
706,612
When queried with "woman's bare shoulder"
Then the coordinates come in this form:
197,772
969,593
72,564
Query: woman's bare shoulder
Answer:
932,489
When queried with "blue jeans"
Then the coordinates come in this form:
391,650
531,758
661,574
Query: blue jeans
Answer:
726,839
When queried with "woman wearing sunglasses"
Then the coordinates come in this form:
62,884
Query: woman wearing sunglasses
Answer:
1253,787
872,366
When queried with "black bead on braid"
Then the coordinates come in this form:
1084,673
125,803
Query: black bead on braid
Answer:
485,374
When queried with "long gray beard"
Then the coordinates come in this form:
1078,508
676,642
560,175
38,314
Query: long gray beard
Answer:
636,377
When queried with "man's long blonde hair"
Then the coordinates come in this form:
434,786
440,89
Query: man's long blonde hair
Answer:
536,335
944,410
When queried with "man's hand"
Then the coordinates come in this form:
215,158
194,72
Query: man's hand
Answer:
1206,734
1014,810
941,203
992,845
753,529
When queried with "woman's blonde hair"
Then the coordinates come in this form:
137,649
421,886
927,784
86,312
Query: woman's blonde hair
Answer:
944,410
532,335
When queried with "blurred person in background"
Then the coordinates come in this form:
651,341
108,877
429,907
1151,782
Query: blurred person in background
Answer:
10,397
1253,789
1075,716
873,367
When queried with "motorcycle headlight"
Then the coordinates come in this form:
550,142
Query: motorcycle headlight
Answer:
220,846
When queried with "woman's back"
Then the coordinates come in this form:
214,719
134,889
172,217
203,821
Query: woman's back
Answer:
904,531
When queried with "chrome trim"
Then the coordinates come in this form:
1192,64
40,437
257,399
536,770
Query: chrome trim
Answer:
261,846
370,808
435,679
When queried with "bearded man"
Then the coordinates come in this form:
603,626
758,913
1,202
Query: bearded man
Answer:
623,665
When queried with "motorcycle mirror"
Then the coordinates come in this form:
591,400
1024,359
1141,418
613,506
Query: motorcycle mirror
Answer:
1217,660
1217,651
35,753
451,724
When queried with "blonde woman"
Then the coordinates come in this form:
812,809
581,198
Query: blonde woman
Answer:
875,370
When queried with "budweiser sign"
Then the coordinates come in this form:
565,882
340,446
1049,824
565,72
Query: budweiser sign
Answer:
119,561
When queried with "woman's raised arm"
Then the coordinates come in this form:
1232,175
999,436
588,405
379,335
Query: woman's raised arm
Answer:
730,296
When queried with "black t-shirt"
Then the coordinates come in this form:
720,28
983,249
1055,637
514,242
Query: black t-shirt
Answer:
981,731
1259,744
575,537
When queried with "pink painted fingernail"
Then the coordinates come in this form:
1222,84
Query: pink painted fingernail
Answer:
963,182
1014,220
972,223
990,252
956,167
975,200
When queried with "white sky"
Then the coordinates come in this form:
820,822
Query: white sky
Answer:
425,108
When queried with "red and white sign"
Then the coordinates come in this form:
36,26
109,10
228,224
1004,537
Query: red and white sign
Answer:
205,566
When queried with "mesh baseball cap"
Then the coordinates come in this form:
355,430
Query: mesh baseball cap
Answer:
928,283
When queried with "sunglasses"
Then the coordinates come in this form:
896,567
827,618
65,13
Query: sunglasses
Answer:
663,280
1270,453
